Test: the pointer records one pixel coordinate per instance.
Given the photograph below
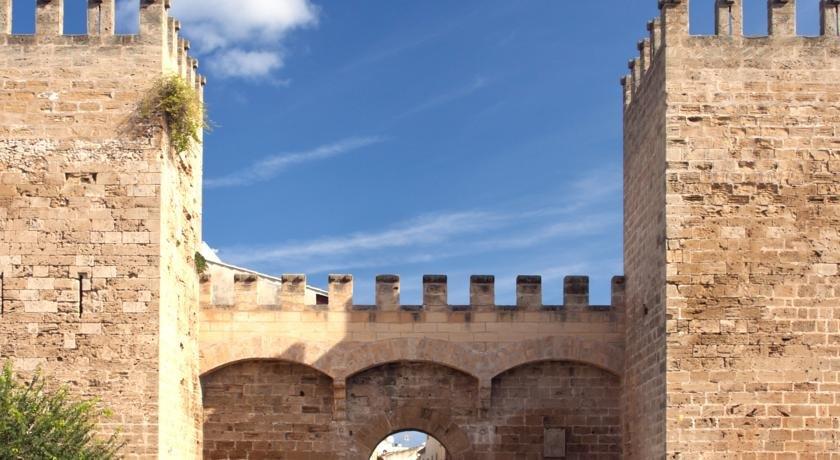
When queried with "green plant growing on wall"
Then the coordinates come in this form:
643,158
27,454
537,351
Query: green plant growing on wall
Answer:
200,263
177,103
39,424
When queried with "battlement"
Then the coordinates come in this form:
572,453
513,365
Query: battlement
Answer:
238,305
227,288
672,28
156,29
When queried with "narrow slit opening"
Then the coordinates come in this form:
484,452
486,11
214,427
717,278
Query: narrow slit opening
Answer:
127,17
81,294
411,291
701,17
2,294
75,17
808,18
600,291
552,292
23,17
756,18
459,290
506,293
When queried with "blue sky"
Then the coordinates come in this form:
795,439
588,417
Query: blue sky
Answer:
412,137
442,137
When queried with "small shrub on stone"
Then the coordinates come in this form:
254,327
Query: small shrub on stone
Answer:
39,424
177,103
200,263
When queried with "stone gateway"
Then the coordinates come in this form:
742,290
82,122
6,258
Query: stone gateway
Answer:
722,340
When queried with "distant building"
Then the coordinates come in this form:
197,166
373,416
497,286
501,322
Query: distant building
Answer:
389,449
313,296
433,450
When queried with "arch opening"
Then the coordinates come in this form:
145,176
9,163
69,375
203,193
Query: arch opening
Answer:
412,396
409,445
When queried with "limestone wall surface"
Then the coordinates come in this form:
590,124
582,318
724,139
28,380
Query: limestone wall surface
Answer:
644,252
750,235
98,288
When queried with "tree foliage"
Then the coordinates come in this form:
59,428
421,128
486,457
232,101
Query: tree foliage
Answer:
38,424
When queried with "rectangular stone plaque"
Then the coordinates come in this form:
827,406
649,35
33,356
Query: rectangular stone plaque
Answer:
554,443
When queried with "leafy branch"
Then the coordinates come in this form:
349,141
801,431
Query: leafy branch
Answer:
39,424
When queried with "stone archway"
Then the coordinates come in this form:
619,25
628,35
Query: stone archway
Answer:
590,352
549,404
411,396
259,408
434,423
416,372
257,347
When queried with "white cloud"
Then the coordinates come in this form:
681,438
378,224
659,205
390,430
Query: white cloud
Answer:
243,38
230,24
269,167
240,63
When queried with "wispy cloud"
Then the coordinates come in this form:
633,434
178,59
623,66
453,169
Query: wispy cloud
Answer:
392,50
434,102
422,230
531,237
270,167
447,246
496,237
421,240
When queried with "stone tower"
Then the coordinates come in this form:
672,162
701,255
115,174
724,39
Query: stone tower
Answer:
732,214
100,221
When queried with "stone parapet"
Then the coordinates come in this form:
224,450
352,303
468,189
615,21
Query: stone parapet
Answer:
225,287
156,28
672,28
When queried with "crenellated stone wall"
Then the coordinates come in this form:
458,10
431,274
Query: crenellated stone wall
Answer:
458,372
